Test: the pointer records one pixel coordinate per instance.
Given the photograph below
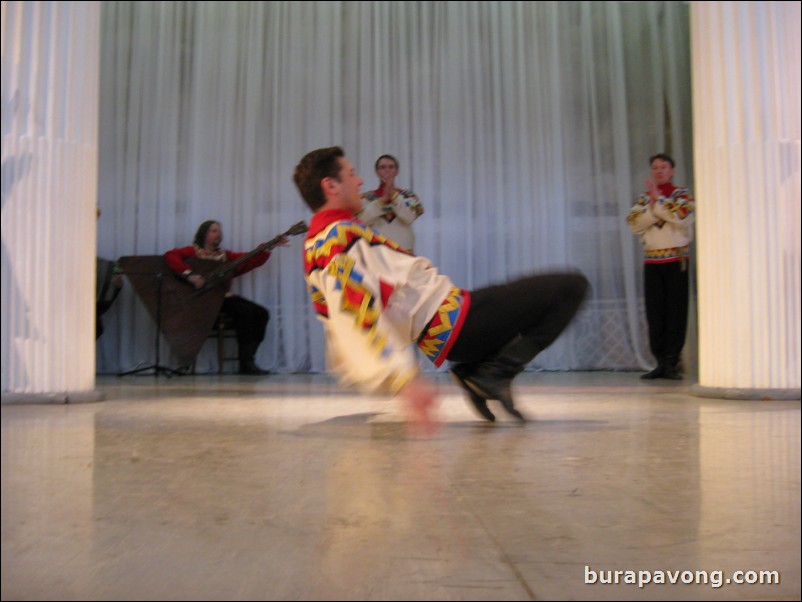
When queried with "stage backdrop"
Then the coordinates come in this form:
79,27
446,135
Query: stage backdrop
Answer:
524,127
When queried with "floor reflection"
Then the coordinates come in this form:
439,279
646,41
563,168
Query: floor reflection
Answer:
290,488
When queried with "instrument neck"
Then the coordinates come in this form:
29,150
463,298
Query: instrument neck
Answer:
223,270
260,249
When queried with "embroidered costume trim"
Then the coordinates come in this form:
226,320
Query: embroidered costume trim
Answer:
443,329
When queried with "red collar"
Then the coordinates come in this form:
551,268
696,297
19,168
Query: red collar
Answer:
666,189
380,190
322,219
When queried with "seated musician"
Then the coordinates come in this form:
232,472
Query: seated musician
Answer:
250,320
109,285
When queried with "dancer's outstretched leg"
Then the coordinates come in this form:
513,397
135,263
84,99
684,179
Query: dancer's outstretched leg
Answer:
460,372
507,326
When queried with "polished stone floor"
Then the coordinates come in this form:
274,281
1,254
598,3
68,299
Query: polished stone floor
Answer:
289,488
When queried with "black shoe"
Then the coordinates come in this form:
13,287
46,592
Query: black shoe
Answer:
492,388
479,403
183,370
671,374
656,373
251,369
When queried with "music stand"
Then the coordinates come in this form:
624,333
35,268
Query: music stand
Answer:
156,367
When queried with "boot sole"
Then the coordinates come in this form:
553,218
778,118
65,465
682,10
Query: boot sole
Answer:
478,402
508,404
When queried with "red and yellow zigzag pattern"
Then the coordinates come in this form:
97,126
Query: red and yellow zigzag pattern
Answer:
322,249
443,329
356,299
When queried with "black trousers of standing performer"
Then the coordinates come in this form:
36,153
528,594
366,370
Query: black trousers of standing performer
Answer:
506,327
250,321
666,287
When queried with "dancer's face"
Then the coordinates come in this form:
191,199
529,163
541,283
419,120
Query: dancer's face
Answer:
387,169
662,172
347,188
214,236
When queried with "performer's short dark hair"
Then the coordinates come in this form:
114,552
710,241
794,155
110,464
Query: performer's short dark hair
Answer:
313,168
662,156
393,159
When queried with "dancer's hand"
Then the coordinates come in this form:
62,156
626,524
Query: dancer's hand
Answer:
653,191
419,397
388,190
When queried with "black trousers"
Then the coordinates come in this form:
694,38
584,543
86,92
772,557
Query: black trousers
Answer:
250,321
538,307
666,292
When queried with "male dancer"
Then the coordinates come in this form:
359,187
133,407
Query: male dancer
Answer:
388,210
663,219
376,298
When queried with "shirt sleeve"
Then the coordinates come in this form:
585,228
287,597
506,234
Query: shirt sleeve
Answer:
176,259
249,264
372,209
363,347
678,209
641,217
407,206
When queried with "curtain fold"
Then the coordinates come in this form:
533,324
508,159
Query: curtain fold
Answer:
524,127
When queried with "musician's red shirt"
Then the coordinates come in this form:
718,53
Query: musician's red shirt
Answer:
176,259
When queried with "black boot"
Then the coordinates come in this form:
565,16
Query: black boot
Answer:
671,369
249,367
493,378
656,373
246,364
459,372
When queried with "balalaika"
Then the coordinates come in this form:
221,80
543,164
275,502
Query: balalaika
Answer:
187,314
216,274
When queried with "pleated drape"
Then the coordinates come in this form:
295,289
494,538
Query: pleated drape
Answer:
524,127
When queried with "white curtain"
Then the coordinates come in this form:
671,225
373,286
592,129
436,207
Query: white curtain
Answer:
524,127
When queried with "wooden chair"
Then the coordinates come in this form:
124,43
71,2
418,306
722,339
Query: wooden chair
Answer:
224,329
